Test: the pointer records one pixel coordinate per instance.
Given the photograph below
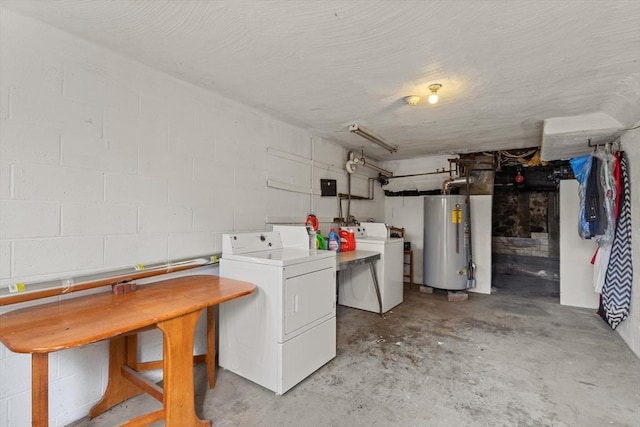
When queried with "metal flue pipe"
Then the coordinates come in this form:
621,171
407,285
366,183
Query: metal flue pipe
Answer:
455,182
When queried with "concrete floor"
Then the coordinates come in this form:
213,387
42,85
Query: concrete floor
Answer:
494,360
526,275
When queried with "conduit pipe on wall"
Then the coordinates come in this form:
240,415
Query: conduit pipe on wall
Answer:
78,283
376,168
349,220
348,196
351,165
437,172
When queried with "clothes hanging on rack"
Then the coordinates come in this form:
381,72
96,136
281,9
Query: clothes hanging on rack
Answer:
608,192
581,169
594,201
596,175
609,177
616,292
618,180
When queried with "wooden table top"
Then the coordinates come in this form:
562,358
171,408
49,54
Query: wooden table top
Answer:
83,320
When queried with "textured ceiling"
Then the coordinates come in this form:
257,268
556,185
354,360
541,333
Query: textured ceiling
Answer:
505,66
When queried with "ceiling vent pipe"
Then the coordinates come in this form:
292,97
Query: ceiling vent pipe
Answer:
457,182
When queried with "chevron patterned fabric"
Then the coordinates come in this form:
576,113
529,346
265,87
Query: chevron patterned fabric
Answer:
616,292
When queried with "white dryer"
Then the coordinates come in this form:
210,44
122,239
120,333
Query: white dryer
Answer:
355,285
286,329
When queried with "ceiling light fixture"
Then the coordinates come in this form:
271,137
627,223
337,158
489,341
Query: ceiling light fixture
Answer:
366,134
433,98
412,99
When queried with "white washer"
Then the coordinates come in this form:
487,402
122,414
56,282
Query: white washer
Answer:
356,284
286,329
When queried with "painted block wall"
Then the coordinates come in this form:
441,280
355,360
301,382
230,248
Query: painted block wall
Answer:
407,212
576,271
630,328
536,245
106,163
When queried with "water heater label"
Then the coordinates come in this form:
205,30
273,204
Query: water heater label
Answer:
456,216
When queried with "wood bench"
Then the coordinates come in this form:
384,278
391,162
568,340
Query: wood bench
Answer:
173,306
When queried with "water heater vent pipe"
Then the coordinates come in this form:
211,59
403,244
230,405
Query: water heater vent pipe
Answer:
457,182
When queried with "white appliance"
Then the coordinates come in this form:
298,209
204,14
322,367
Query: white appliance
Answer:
446,242
355,285
286,329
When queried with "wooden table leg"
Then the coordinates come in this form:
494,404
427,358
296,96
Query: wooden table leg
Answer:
179,406
40,389
132,351
119,388
211,346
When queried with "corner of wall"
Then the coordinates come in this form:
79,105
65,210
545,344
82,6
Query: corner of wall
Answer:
629,330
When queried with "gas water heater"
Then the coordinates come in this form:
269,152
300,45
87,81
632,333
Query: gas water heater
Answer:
446,242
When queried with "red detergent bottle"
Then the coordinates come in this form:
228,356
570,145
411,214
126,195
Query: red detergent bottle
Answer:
347,240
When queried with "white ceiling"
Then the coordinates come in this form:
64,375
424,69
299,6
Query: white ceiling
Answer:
505,66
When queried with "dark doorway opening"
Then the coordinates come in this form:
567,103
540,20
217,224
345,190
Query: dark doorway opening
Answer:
525,232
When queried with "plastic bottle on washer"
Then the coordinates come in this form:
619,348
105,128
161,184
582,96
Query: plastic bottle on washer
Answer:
334,241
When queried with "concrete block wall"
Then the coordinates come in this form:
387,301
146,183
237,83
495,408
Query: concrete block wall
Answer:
407,212
107,163
537,245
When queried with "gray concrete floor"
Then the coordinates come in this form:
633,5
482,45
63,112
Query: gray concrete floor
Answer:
494,360
526,275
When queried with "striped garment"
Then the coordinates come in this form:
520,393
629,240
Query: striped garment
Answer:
616,292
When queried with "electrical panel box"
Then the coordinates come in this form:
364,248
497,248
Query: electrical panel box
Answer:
328,187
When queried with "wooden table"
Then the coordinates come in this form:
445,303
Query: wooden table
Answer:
350,259
173,306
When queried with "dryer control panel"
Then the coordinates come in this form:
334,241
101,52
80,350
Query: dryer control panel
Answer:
243,243
359,231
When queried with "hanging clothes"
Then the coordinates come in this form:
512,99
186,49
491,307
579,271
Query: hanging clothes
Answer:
581,167
610,182
594,212
618,180
616,292
607,193
596,175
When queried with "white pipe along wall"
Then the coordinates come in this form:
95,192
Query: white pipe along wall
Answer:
106,163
